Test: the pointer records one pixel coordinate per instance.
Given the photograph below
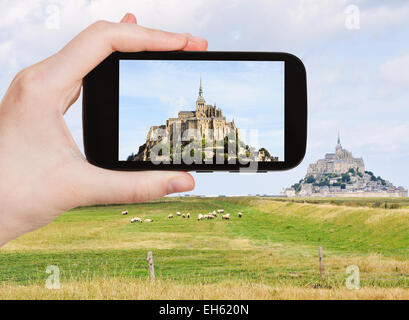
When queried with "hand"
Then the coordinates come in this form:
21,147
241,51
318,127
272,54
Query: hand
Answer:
42,172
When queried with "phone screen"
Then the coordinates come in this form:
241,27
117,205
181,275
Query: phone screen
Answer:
190,111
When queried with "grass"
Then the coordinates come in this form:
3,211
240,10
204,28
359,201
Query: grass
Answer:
271,253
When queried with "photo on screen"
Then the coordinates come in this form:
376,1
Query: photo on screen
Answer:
173,111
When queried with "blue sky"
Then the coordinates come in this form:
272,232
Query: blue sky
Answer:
358,79
250,92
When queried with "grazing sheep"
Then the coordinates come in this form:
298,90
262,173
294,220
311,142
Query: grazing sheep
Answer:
188,215
178,213
210,216
220,211
124,213
136,220
200,217
148,220
170,216
183,216
240,214
226,216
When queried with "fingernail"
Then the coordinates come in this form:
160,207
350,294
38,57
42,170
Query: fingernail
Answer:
196,43
179,185
195,39
125,17
129,18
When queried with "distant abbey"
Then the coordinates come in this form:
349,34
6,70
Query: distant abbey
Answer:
336,163
339,174
206,126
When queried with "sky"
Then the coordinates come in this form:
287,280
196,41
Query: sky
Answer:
249,92
356,55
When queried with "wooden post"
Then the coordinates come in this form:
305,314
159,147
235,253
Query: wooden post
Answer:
151,267
321,259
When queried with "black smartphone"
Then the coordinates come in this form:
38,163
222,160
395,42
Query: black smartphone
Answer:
196,111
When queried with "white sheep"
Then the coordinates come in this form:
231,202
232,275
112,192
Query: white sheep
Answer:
178,213
188,215
226,217
183,216
138,220
148,220
124,213
200,217
133,220
220,211
240,214
170,216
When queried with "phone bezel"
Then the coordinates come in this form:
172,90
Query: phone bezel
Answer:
101,110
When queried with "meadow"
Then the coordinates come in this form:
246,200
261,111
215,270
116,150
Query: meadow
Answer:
270,253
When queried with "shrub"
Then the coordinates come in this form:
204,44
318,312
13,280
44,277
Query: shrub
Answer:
345,177
310,179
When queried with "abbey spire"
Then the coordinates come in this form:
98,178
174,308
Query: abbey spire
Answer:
338,142
200,97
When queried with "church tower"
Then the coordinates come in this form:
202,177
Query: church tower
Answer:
338,147
200,103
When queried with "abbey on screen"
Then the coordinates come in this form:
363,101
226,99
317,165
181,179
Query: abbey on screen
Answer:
186,112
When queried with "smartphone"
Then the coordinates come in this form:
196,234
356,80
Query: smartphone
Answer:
196,111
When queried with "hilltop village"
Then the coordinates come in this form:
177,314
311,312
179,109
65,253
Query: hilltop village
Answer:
339,174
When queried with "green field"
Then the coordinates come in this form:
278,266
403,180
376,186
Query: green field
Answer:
271,253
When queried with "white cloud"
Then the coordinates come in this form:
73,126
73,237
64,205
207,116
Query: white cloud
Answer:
5,48
396,70
383,17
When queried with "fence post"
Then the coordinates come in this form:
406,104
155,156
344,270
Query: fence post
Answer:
151,266
321,259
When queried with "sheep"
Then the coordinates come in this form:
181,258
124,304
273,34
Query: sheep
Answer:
206,216
220,211
178,213
188,215
148,220
183,216
124,213
200,217
240,214
211,215
226,216
170,216
133,220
